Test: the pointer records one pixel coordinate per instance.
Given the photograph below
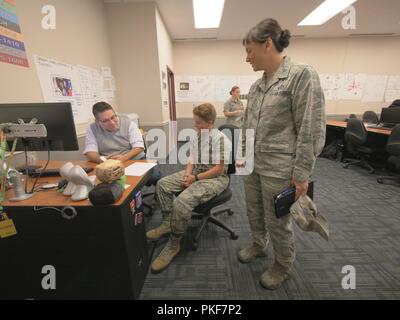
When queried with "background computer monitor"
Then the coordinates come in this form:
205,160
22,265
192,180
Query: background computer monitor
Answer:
390,115
57,117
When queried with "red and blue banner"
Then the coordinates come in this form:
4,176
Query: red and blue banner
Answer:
12,48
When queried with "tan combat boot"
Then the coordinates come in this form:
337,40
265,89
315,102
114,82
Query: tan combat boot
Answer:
167,254
274,276
163,229
252,252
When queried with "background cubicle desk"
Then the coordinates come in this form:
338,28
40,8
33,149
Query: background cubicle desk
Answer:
343,125
99,254
376,137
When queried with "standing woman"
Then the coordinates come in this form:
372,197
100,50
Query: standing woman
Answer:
286,109
233,108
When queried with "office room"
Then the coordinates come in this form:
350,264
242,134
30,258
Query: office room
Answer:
104,108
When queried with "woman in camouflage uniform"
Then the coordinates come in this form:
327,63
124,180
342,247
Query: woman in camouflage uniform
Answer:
233,108
286,109
204,178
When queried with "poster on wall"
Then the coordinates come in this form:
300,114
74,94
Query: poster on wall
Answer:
223,86
353,86
245,82
195,88
332,84
392,91
374,89
12,48
87,87
184,86
108,87
60,83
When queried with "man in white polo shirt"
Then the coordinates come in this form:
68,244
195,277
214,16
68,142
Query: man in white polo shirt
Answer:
112,136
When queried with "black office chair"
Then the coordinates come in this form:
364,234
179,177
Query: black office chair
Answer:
370,117
203,211
395,104
156,175
356,138
351,116
393,148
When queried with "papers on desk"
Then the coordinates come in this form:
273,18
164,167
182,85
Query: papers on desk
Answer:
138,169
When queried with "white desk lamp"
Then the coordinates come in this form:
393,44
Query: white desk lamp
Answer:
83,183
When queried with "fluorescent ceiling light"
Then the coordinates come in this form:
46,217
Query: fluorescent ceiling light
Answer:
207,13
327,10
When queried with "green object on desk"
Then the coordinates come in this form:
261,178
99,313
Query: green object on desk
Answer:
122,182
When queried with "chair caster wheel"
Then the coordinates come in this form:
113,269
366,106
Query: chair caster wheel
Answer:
379,181
195,245
234,236
230,212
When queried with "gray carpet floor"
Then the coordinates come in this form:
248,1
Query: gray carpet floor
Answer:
364,219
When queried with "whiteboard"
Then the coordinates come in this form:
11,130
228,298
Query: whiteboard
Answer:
336,86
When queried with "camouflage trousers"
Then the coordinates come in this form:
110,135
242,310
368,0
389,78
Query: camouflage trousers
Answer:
264,224
182,206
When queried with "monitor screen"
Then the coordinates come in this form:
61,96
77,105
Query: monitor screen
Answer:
390,115
57,117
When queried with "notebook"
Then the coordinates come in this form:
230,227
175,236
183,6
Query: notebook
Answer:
284,200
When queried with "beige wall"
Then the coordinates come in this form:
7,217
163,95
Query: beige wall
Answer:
80,38
372,55
165,58
134,44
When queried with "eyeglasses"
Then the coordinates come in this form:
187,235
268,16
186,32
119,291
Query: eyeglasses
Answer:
112,118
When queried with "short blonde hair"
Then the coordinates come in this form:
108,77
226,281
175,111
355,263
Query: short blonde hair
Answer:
205,111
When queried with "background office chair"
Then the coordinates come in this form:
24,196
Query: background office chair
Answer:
393,148
370,117
156,175
203,211
395,104
356,138
351,116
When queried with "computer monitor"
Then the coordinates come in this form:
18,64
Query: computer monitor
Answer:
390,115
57,117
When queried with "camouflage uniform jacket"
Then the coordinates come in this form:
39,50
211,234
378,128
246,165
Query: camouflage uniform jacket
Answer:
209,148
287,113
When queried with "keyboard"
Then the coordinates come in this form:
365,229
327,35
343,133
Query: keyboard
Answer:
52,172
388,125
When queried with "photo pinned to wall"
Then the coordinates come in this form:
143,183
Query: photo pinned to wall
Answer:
62,86
184,86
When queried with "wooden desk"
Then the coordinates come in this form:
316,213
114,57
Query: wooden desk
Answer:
102,253
53,198
377,139
343,124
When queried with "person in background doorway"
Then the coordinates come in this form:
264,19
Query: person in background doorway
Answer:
234,109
